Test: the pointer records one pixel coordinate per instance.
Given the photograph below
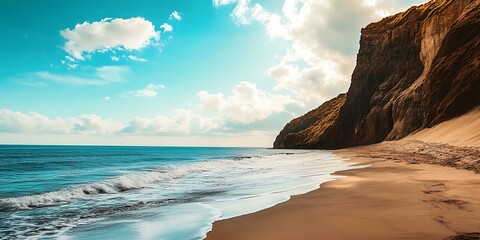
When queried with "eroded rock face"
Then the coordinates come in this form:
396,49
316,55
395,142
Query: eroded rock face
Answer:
414,70
308,129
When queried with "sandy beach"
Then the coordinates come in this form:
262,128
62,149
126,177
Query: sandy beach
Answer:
426,186
397,197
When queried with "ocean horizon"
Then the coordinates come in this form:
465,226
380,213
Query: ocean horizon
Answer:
147,192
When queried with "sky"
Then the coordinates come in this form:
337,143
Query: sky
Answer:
173,73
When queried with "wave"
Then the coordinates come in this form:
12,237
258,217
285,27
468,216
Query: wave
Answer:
116,185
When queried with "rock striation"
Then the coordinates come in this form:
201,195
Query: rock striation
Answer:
414,70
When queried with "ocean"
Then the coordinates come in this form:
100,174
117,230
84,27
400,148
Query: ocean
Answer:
97,192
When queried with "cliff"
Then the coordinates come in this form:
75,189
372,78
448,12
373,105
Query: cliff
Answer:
414,70
307,129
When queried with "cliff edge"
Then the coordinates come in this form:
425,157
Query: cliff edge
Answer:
414,70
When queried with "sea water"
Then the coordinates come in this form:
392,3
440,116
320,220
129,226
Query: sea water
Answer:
96,192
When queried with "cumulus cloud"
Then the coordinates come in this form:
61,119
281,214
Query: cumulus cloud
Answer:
127,34
332,25
244,14
151,90
103,76
175,15
91,123
318,80
275,26
322,38
16,122
182,121
315,82
33,122
246,104
166,27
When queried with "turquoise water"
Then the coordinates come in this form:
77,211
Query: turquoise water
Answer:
80,192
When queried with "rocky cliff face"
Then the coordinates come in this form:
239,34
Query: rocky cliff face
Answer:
307,129
414,70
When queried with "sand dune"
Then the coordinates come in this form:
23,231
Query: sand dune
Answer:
463,131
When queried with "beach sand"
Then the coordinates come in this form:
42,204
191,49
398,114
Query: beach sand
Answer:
412,190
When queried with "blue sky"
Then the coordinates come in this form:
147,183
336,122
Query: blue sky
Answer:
184,72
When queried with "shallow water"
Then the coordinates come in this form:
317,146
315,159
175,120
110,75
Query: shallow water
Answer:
73,192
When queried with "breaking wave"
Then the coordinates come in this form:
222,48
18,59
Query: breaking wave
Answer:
111,186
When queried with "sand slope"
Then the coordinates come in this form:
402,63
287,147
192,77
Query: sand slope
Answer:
461,131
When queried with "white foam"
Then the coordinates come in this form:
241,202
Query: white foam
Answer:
119,184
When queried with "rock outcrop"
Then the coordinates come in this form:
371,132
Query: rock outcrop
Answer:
414,70
307,129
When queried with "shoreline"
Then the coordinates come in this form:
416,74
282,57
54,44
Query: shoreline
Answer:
391,199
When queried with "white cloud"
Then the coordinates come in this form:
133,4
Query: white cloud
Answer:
318,82
182,121
113,73
246,104
72,66
240,12
30,83
166,27
175,15
70,79
93,124
14,122
320,79
33,122
69,62
218,3
290,9
244,14
275,27
151,90
137,59
115,59
103,76
126,34
107,98
70,58
322,37
182,127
